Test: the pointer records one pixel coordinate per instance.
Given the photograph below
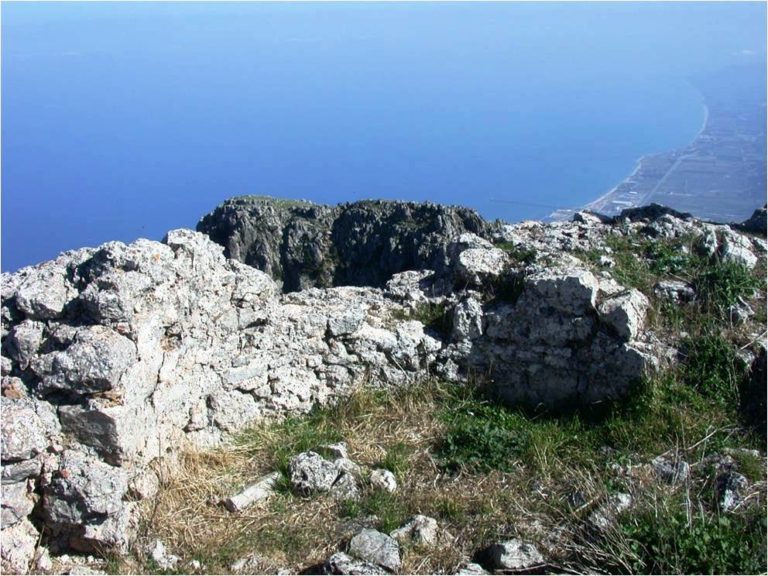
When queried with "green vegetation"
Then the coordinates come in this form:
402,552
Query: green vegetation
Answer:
518,253
723,283
712,367
434,316
663,540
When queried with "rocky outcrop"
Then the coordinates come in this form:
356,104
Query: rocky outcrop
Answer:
146,348
121,355
757,223
301,244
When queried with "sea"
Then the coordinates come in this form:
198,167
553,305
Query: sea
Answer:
123,120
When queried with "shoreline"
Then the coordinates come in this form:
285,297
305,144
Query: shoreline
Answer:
621,199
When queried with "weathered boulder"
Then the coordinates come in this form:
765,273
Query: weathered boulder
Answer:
17,503
17,547
311,473
555,348
467,320
85,499
625,313
342,563
737,249
376,548
514,554
382,479
421,531
675,290
27,425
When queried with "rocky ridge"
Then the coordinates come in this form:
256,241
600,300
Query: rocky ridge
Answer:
117,357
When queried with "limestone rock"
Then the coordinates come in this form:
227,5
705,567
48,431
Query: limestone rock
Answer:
346,323
20,471
573,291
384,480
740,311
17,503
471,569
376,548
363,243
675,290
161,557
670,470
476,266
26,428
467,320
24,341
625,313
339,450
87,491
144,485
17,547
311,473
250,564
259,490
346,487
341,563
737,249
605,516
45,291
93,363
514,554
419,530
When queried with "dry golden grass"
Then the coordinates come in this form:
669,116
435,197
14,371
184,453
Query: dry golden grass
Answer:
293,533
544,496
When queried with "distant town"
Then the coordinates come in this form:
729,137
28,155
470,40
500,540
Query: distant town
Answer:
721,175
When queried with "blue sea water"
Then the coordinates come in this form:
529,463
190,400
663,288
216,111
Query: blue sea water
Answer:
125,120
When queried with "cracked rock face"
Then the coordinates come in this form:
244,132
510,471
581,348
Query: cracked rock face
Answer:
145,349
302,244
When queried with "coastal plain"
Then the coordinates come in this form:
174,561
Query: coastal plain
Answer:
721,175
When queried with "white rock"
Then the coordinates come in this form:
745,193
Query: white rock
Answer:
514,554
467,320
17,549
341,563
420,530
260,490
625,313
162,558
376,548
382,479
310,473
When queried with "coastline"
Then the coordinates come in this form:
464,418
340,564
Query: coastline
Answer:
625,194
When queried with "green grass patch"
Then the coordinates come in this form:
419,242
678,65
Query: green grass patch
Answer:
390,509
482,436
712,367
666,542
397,460
284,440
518,253
721,284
